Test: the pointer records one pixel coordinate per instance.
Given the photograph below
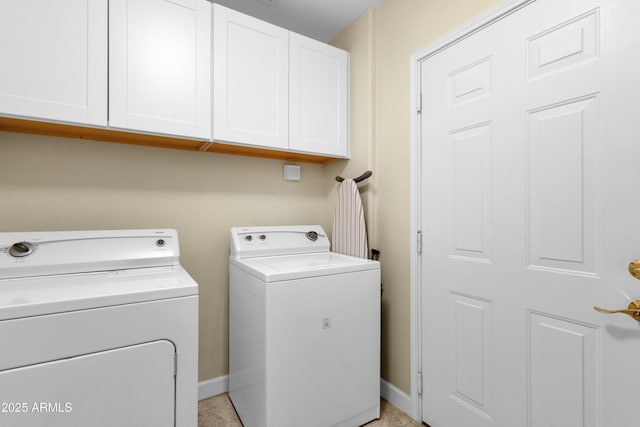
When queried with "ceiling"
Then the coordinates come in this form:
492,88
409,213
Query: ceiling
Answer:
319,19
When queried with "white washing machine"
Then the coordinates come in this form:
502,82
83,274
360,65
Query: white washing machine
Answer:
97,328
304,333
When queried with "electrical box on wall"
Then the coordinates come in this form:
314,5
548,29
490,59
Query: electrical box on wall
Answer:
291,173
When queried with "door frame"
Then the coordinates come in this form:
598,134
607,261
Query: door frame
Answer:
414,406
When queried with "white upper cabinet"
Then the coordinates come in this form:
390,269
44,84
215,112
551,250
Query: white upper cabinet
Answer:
54,60
160,66
318,97
184,68
250,80
276,89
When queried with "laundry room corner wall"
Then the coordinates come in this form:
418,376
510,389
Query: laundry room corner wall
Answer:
49,183
387,37
358,41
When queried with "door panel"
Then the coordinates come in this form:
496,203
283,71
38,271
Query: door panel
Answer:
471,184
562,371
561,176
472,349
129,386
528,155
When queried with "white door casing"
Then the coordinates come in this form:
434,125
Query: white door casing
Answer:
526,208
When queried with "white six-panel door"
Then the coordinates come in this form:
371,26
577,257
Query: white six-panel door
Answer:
530,154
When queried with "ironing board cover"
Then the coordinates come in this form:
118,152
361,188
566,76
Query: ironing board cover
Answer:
349,229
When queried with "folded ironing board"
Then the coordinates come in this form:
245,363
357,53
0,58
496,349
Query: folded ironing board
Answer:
349,229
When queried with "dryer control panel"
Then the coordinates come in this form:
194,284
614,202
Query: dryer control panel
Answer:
32,254
249,242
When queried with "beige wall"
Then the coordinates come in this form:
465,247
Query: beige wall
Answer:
358,40
62,184
394,32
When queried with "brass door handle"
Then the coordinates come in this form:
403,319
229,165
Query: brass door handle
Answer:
633,310
634,268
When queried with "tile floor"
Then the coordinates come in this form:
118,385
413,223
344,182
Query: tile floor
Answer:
218,411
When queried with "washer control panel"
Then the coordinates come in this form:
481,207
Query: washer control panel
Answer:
277,240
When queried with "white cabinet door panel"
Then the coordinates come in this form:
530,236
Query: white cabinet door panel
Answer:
54,60
318,97
160,64
250,80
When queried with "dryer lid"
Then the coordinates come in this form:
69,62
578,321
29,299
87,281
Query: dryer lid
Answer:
54,272
35,296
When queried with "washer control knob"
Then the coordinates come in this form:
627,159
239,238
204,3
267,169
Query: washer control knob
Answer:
248,237
263,237
312,235
160,243
21,249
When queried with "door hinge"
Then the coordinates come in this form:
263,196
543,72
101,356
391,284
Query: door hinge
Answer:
419,103
419,385
419,241
175,364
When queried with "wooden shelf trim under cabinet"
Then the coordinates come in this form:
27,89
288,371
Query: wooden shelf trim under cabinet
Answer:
9,124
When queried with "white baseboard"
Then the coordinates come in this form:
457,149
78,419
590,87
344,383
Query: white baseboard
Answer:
213,387
396,397
389,392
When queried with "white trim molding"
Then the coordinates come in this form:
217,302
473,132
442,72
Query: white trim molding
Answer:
497,13
396,397
415,232
412,403
213,387
389,392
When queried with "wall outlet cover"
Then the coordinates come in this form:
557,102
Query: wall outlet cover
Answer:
291,173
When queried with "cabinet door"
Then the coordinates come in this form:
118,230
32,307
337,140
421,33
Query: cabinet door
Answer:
54,60
318,97
160,66
250,80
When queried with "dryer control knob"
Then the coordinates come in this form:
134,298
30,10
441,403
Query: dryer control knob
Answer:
21,249
312,235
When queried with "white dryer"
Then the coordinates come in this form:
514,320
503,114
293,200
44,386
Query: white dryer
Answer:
304,337
97,328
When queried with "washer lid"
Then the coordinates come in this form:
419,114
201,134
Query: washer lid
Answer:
291,267
34,296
